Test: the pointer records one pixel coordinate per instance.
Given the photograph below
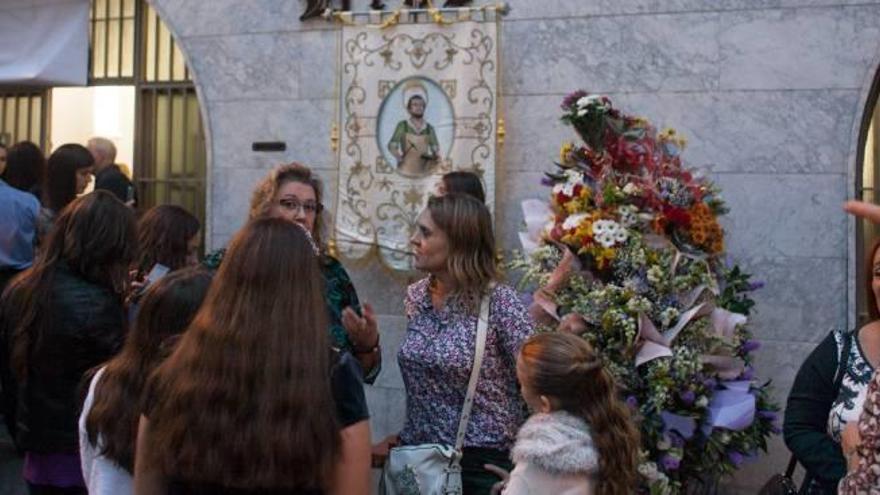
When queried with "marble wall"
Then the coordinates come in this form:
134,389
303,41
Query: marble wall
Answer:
770,93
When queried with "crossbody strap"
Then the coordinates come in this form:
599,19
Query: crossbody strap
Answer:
482,331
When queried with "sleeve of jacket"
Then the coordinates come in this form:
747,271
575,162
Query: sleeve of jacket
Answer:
806,414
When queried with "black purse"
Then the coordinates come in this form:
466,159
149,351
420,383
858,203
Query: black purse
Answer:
781,484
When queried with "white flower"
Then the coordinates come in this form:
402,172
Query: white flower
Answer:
703,401
628,215
608,233
574,221
631,189
586,101
655,275
668,315
572,178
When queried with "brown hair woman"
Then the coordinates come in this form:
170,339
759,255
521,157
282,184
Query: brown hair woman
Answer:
294,193
63,316
167,235
109,419
253,398
454,245
581,439
461,181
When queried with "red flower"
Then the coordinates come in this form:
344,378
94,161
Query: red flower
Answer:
677,216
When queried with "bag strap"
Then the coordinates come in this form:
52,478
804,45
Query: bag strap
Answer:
482,331
792,464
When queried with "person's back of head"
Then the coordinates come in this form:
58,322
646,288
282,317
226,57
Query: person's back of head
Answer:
65,172
103,150
94,238
256,362
165,236
166,310
464,182
25,166
568,372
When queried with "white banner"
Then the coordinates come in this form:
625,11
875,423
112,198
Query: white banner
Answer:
417,101
44,42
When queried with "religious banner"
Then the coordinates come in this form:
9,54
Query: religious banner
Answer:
416,101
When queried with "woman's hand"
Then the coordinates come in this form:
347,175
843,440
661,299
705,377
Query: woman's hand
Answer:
497,488
849,442
862,209
381,450
362,330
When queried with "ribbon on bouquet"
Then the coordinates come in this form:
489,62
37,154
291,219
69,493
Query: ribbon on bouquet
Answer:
654,344
732,408
536,214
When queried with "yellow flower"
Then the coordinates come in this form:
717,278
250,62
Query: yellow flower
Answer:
564,151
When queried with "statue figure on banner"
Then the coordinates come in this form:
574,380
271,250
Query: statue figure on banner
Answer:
414,142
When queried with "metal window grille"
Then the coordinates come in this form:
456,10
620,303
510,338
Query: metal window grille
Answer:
24,116
112,38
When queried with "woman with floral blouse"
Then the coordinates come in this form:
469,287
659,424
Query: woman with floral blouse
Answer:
454,245
861,446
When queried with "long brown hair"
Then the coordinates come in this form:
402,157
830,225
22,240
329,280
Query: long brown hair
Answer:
871,301
464,182
166,309
245,400
564,368
468,228
94,237
164,233
264,194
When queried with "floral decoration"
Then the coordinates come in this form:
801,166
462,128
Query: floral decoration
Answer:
652,292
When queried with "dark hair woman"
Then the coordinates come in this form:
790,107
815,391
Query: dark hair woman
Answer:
454,244
830,389
581,438
254,398
109,419
25,168
61,317
167,235
294,193
68,173
463,182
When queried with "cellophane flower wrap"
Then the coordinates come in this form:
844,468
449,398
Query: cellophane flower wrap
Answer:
652,292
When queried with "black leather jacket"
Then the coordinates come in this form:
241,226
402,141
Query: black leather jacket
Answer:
86,327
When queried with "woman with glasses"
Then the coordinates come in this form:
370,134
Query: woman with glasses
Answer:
293,192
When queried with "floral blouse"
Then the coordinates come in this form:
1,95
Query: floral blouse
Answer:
865,478
436,359
339,293
848,404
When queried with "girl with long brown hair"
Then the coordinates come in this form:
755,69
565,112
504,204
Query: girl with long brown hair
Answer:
109,419
167,235
295,193
61,317
581,439
254,399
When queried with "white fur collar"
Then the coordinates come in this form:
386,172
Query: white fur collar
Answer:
557,442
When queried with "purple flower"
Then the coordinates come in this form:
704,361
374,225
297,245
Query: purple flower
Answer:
547,181
632,402
687,397
710,383
776,429
735,458
750,346
747,374
676,440
757,284
572,99
670,463
768,415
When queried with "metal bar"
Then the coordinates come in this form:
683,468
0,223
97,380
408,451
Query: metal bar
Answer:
30,99
92,40
171,57
182,180
186,162
156,47
169,133
137,70
3,116
15,120
106,37
120,29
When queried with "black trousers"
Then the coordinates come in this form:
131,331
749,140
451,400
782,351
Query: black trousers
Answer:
56,490
475,479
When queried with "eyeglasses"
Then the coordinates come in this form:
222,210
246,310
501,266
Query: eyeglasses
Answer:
309,207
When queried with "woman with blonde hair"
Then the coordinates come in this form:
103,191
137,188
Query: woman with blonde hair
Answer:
294,193
454,245
254,399
581,439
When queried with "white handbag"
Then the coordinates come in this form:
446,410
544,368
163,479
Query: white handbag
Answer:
435,469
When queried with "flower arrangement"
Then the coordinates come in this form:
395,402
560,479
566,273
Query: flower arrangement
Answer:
630,255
